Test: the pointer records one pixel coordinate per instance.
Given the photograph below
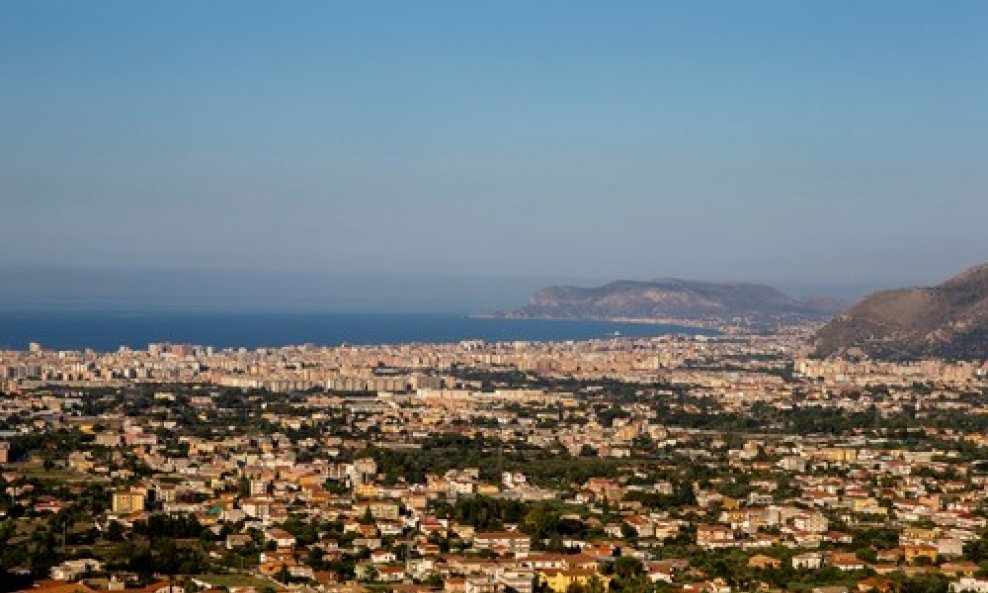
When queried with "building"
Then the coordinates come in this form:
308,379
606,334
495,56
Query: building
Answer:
559,580
807,561
969,584
125,503
72,570
714,536
503,542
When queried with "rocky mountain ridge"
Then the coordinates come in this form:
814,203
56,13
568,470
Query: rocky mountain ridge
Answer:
949,320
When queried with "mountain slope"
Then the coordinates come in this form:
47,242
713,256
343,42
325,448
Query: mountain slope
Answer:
948,320
667,298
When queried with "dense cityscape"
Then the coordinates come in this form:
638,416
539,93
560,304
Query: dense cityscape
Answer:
695,464
580,296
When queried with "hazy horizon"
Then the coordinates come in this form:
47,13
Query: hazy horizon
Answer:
148,290
445,156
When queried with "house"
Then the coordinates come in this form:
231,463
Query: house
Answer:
879,584
959,568
367,530
811,522
237,540
949,546
807,561
580,561
326,577
913,553
717,585
503,542
371,543
846,562
714,536
542,561
431,525
389,527
641,525
516,580
378,509
838,537
391,574
125,503
301,572
383,557
280,537
559,580
259,508
481,584
272,566
761,561
891,555
658,573
72,570
977,585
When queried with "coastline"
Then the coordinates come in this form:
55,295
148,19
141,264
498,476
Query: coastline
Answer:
106,332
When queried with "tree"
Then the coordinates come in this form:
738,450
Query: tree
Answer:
367,518
283,575
243,487
627,567
115,532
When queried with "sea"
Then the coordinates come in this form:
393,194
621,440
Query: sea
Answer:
105,331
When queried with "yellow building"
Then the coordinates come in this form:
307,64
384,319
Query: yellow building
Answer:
379,509
914,553
919,535
559,580
125,503
367,491
868,505
839,454
488,489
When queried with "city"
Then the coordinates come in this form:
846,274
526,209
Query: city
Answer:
511,296
679,463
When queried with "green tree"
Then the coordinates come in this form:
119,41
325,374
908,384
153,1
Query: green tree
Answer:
627,567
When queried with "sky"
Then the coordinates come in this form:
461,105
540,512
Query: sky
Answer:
457,155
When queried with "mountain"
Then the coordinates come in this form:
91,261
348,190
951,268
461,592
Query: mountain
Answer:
949,320
669,298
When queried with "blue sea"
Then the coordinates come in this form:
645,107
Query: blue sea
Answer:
109,331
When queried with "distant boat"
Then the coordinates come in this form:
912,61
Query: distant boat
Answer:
615,334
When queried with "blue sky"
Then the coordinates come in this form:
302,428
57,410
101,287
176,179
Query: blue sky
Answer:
458,154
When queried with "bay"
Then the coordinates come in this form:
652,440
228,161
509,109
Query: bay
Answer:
108,331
